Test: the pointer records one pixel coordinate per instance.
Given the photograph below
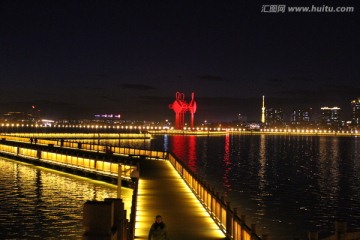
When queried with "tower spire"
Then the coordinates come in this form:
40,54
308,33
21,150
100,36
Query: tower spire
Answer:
263,110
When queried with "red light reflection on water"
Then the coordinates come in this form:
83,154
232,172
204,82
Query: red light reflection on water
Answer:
184,147
227,163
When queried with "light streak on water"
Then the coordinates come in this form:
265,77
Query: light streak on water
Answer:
36,203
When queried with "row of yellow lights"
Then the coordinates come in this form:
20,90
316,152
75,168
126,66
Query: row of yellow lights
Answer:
185,128
308,131
118,127
77,126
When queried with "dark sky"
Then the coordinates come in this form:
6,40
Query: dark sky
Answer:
77,58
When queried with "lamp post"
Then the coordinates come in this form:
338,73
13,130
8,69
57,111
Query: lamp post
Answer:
119,181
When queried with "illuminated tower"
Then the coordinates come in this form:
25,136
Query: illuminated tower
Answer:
263,110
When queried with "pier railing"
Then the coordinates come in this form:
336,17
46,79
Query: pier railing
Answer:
227,219
44,139
77,161
71,135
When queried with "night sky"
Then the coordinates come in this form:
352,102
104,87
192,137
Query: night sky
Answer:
78,58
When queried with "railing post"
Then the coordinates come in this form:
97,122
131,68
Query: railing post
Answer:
243,223
229,219
253,230
217,207
234,225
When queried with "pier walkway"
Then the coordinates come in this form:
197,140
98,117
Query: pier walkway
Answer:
161,191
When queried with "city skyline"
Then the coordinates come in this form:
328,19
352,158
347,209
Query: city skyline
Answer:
80,58
270,116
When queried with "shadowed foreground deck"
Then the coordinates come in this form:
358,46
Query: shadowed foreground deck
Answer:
162,191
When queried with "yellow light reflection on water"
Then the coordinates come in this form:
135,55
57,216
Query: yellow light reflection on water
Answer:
71,186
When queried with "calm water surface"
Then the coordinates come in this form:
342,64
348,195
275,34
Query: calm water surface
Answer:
287,185
36,203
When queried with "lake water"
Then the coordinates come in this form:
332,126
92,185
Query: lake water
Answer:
287,185
37,203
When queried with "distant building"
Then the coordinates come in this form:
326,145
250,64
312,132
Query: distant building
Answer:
108,116
331,117
18,117
355,106
301,117
274,116
241,118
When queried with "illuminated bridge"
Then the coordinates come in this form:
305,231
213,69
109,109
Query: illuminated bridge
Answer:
189,207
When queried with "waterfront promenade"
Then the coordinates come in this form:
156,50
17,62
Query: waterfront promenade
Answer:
162,191
162,188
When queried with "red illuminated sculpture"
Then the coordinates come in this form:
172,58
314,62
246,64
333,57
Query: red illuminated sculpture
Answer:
180,107
192,109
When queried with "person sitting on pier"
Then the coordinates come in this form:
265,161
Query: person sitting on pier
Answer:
158,230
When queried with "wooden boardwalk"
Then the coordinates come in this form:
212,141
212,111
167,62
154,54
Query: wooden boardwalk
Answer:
162,191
